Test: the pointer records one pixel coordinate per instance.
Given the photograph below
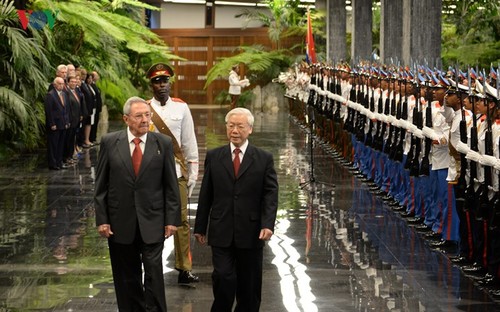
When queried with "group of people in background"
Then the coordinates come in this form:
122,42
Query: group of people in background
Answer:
72,107
426,141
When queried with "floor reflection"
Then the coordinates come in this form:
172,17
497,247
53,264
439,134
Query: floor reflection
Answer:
337,246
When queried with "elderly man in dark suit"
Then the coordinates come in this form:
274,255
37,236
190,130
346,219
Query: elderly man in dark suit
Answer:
57,122
236,212
137,207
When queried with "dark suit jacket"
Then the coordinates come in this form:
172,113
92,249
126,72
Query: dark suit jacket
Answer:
237,209
90,99
123,200
75,111
98,98
55,113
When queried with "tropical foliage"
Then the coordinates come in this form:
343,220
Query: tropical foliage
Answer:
106,36
471,32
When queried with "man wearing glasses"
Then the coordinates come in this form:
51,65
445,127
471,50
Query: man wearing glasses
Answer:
137,207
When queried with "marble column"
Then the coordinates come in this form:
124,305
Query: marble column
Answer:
361,46
391,31
422,32
336,31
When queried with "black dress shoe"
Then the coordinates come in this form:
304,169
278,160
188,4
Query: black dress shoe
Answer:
422,228
474,269
186,277
495,293
488,281
398,208
433,235
443,244
408,214
460,260
416,220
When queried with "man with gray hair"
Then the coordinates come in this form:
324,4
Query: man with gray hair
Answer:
236,214
137,207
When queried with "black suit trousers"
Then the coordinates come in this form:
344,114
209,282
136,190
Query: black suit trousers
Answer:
55,147
131,293
237,273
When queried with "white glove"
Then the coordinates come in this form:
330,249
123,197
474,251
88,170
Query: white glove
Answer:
462,148
430,133
192,168
190,186
497,165
474,156
488,160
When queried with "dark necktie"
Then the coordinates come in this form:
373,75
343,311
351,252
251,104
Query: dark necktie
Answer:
137,156
236,161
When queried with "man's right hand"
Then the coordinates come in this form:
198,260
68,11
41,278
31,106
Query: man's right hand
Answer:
201,238
105,230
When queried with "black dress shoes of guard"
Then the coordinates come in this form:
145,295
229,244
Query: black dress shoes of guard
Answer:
460,260
186,277
398,208
443,244
408,214
416,220
433,236
474,269
488,281
422,228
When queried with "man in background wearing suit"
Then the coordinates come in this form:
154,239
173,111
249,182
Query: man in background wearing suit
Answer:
137,207
57,122
239,199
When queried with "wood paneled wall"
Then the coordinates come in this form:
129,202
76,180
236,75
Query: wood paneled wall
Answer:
202,48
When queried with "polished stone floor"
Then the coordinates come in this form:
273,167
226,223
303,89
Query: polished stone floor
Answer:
337,247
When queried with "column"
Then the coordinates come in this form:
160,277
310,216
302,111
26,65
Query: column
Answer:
336,49
422,32
391,31
361,46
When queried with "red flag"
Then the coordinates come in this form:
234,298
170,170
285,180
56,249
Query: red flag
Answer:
310,51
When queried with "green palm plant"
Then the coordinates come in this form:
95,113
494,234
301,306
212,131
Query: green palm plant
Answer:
120,54
25,66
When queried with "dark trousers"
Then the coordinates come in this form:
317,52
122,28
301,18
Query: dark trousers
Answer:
55,147
237,274
93,128
69,144
131,293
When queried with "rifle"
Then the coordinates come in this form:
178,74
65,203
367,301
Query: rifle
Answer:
462,182
484,201
425,165
369,136
359,124
392,111
495,213
470,194
403,115
363,117
376,141
417,142
338,90
349,124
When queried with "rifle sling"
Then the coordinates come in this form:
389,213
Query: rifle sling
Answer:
163,128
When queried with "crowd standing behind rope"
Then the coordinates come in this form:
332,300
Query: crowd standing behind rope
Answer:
426,141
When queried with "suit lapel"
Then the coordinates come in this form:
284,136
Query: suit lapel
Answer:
247,160
226,160
149,151
123,147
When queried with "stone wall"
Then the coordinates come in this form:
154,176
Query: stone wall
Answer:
269,99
